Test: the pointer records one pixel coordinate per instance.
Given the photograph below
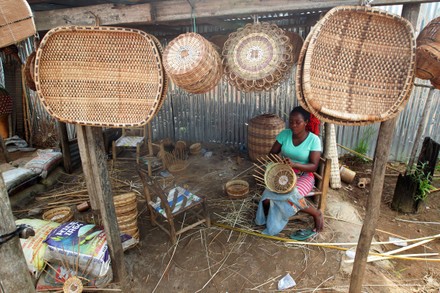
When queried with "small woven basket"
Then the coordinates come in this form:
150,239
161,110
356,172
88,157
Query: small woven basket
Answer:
178,166
279,178
257,57
359,65
192,63
124,199
59,215
237,189
99,76
428,56
195,148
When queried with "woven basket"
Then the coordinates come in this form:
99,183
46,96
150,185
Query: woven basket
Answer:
192,63
262,133
428,56
29,71
6,104
124,199
237,189
195,148
178,166
16,22
359,65
59,215
257,57
279,178
297,42
99,76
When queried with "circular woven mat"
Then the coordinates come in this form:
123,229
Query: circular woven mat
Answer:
257,57
99,76
192,63
358,66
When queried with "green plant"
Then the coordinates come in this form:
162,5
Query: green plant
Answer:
423,182
364,142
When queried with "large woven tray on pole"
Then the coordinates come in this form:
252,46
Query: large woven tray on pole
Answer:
16,22
192,63
99,76
257,57
359,66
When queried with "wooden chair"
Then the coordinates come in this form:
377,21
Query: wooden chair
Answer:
132,139
170,203
322,179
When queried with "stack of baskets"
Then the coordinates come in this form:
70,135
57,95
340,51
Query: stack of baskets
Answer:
126,213
16,22
100,76
262,132
357,66
428,53
257,57
192,63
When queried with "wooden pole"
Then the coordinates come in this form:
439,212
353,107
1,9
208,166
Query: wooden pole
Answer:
86,166
64,140
98,162
383,147
14,274
420,128
4,151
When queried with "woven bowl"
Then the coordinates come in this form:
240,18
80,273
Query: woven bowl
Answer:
257,57
359,65
195,148
178,166
59,215
99,76
237,189
279,178
124,199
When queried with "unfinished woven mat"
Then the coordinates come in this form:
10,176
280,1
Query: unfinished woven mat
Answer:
257,57
192,63
279,177
359,66
99,76
16,22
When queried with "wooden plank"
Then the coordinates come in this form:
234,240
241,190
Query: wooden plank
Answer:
177,10
383,147
86,166
98,161
108,14
14,273
64,140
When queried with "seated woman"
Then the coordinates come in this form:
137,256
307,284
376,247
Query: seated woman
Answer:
303,148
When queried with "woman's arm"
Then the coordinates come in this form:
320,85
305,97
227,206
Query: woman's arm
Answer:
312,166
276,148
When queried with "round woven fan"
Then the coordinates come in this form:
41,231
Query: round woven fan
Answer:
359,65
257,57
279,177
99,76
192,63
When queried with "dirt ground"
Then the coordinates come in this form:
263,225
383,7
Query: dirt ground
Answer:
220,260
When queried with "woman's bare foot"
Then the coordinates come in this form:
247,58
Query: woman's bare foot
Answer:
319,221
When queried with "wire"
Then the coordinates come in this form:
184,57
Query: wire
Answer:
193,16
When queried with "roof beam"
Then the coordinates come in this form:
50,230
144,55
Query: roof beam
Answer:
166,11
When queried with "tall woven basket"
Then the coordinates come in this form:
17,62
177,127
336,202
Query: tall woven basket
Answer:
99,76
257,57
192,63
16,22
358,66
262,132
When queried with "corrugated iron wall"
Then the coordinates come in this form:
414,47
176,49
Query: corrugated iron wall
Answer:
221,116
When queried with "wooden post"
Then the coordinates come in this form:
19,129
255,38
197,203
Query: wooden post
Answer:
382,152
15,276
98,165
420,129
4,150
64,140
86,166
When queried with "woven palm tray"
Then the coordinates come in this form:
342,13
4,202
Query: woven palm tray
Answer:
16,22
257,57
99,76
359,65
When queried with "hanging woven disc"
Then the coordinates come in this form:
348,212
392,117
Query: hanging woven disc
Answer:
99,76
428,55
359,66
257,57
192,63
